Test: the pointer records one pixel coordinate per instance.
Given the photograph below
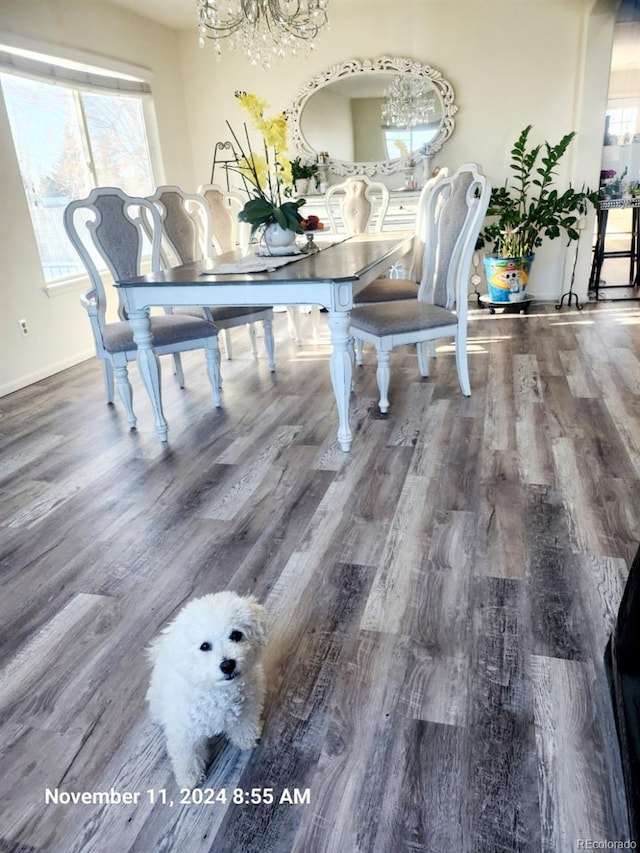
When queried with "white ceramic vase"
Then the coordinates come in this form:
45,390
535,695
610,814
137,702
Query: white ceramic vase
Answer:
279,241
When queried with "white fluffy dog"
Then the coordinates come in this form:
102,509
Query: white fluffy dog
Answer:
208,679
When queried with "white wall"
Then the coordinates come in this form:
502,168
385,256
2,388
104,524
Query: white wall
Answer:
511,63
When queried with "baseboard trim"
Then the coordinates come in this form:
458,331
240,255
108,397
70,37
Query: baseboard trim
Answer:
44,373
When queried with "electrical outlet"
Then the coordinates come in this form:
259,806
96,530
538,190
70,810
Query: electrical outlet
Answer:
24,329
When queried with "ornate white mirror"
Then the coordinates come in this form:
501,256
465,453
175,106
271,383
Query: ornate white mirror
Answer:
374,116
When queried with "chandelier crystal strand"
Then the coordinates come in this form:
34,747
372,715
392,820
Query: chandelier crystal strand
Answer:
264,30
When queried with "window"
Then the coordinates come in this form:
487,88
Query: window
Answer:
406,139
69,139
621,124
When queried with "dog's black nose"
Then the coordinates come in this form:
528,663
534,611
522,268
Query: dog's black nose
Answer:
227,666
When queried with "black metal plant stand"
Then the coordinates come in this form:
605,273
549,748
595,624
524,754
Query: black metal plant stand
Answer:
569,295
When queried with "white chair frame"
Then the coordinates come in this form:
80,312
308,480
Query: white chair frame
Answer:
225,205
363,205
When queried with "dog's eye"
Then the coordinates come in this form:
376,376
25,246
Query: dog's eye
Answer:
205,647
235,636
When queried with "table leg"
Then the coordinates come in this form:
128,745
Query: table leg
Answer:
341,373
149,366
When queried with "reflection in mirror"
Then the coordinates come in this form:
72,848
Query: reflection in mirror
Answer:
410,116
373,117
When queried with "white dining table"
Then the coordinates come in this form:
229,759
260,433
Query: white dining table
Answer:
330,278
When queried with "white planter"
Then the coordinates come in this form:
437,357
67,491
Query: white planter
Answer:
279,241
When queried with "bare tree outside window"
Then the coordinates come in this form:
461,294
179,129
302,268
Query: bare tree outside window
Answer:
68,141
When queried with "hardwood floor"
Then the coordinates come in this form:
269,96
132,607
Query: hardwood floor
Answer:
439,599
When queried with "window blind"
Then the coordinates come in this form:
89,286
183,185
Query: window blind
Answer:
69,73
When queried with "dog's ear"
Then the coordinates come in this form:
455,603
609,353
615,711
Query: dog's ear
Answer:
257,626
159,642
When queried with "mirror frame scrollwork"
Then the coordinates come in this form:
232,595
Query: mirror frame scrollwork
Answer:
353,67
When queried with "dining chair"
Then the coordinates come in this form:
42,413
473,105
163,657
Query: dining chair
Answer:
225,205
386,289
188,229
357,205
453,215
107,230
353,206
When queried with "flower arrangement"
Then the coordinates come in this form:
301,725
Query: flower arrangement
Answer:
267,176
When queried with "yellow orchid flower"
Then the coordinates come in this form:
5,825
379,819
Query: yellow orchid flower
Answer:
254,105
268,178
254,168
274,131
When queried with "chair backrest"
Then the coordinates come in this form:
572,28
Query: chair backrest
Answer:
224,205
417,254
107,228
186,225
453,215
362,203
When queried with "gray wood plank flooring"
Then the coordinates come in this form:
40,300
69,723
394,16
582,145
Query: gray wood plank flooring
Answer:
439,599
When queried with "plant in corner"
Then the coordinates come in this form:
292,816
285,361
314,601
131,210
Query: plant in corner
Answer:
526,212
267,177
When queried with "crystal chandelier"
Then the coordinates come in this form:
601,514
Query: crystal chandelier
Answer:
263,30
409,102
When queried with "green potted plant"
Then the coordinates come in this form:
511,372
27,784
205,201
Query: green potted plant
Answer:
302,173
524,213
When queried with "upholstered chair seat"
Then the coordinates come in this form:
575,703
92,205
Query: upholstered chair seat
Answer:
401,318
118,336
387,290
